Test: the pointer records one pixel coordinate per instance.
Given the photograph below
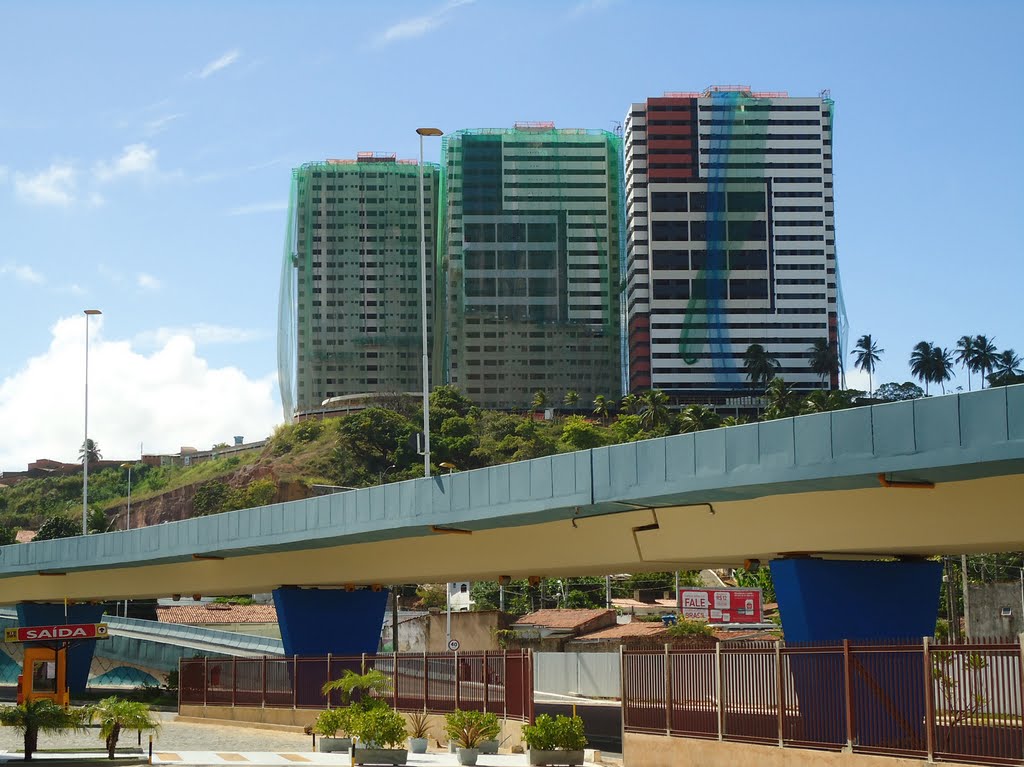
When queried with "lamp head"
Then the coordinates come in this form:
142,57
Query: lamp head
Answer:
91,312
430,131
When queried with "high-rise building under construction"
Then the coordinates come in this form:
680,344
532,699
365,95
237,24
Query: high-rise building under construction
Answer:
530,251
350,287
731,240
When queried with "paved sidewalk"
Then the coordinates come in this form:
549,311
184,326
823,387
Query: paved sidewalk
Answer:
268,758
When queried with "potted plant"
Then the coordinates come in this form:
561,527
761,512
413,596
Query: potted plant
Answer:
559,740
382,730
328,724
419,732
467,730
490,728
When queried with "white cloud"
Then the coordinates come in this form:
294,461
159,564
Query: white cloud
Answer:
22,272
419,25
148,281
218,64
135,159
53,186
201,334
166,398
159,124
258,207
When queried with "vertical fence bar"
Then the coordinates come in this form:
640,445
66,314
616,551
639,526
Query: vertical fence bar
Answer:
1020,666
848,694
504,682
234,680
362,663
295,681
718,691
328,679
394,679
206,678
668,692
780,692
458,683
929,699
487,675
263,671
623,695
426,683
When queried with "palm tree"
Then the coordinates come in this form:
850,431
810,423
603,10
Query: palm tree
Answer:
35,716
571,398
653,408
93,448
698,418
966,353
601,408
1007,369
115,714
630,404
761,366
921,363
824,359
540,399
867,354
782,400
942,366
985,355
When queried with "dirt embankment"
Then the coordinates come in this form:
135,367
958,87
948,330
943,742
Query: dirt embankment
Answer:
177,504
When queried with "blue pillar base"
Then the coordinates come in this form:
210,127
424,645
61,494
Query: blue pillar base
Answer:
330,621
81,652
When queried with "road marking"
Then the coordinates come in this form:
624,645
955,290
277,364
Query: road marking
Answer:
233,757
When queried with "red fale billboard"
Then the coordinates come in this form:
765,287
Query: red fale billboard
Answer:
724,605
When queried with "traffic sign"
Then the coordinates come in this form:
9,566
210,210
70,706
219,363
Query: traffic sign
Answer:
51,633
453,645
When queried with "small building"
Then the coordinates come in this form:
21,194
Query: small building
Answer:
550,630
257,620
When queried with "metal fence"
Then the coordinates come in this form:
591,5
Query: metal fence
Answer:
501,682
936,701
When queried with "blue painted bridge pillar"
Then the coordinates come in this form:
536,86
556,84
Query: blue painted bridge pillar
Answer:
827,601
330,621
81,651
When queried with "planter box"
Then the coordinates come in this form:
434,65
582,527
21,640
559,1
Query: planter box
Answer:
467,756
488,747
418,745
391,756
558,757
333,745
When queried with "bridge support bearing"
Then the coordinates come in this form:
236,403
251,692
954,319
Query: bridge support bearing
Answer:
53,614
833,600
330,621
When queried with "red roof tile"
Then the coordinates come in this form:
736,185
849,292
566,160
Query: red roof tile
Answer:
216,613
562,619
24,536
644,629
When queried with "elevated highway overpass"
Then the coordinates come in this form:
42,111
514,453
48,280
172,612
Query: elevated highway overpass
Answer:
906,479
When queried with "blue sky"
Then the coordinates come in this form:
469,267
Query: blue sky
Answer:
145,155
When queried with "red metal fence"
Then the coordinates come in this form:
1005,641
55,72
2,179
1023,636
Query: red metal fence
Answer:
937,701
501,682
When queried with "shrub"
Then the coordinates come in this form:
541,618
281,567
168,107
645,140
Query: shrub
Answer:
380,726
468,728
332,721
560,732
684,627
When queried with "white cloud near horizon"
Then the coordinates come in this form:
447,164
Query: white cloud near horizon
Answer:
418,26
53,186
22,272
258,207
200,334
135,159
222,62
166,398
160,124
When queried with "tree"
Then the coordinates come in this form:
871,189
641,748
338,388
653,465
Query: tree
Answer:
761,366
782,400
7,535
1007,369
115,714
571,398
93,449
653,409
941,366
894,392
58,527
966,355
823,358
921,363
35,716
540,399
630,404
601,407
985,355
382,436
697,418
866,356
96,521
579,434
821,401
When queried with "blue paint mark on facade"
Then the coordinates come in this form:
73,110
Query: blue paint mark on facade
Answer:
330,621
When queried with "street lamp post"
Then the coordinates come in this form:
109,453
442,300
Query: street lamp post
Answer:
423,304
128,515
85,445
385,473
448,586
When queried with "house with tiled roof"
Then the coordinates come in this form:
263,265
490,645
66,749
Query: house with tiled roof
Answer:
549,630
258,619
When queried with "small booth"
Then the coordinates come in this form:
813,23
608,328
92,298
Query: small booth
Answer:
44,671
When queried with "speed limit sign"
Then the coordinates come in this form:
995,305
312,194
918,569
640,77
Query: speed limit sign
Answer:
453,645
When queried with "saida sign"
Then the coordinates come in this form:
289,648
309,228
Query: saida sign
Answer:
56,633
